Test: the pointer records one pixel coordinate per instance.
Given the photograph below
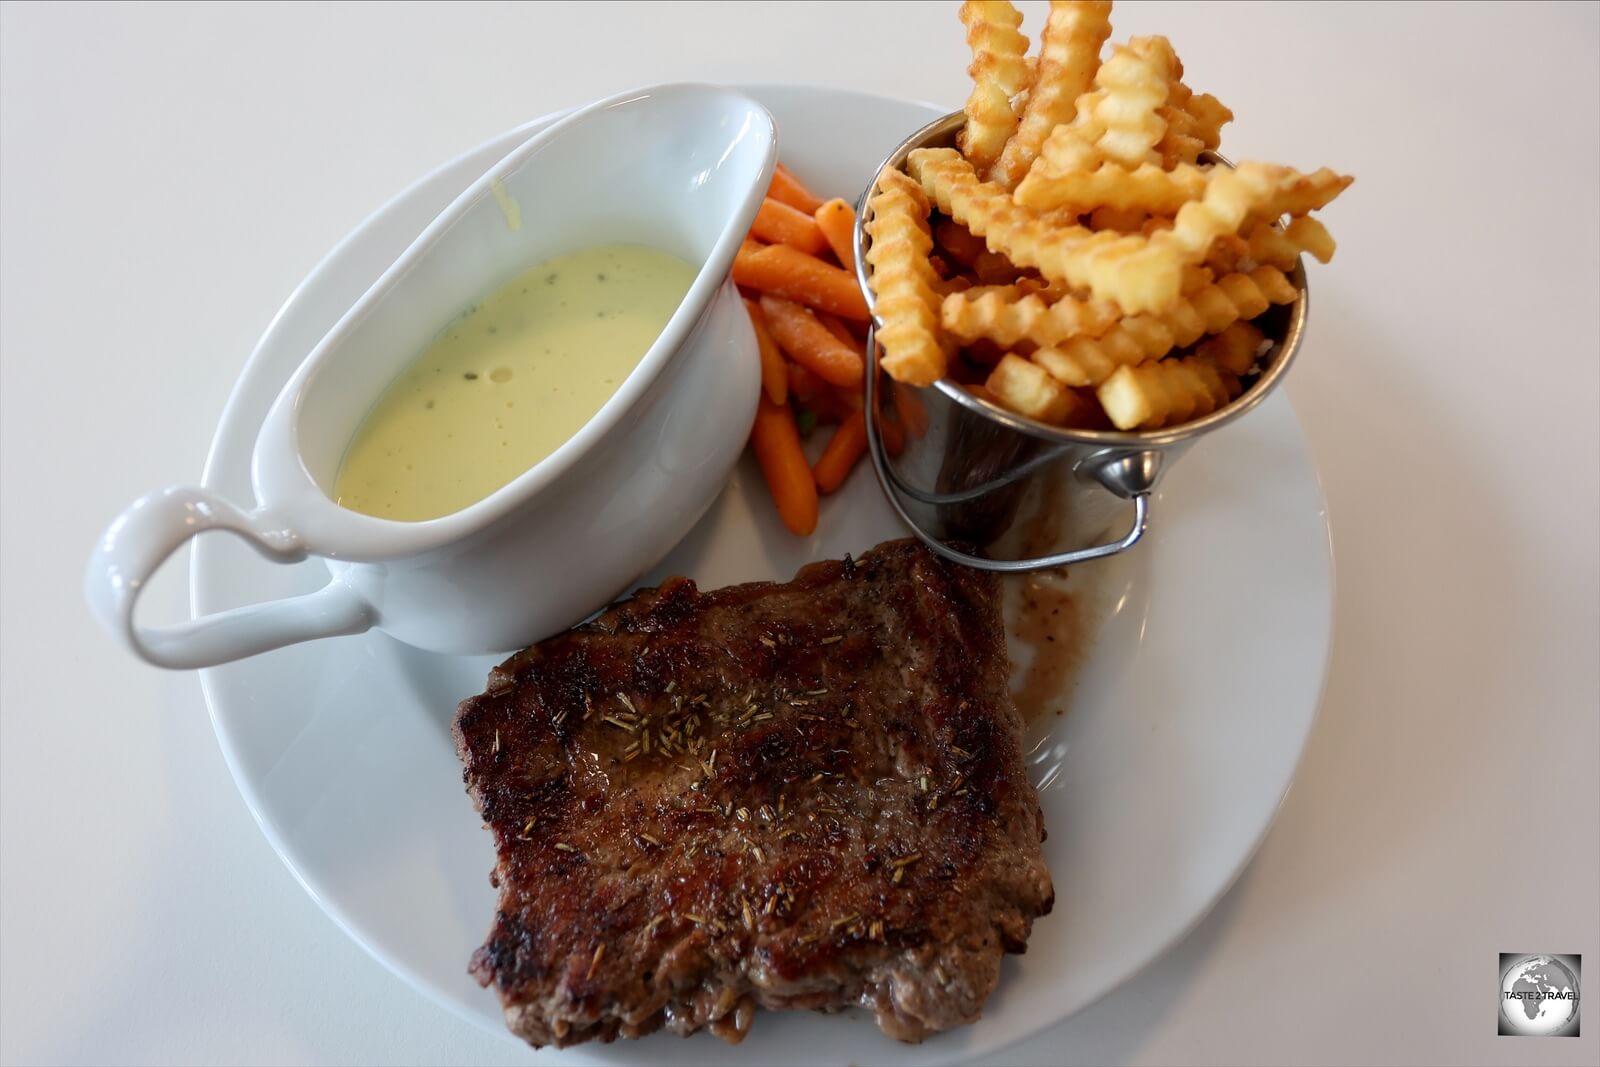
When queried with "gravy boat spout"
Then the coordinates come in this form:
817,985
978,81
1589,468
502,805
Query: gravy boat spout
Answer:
681,168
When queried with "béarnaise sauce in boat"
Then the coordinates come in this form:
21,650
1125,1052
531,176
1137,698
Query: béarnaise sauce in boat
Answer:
508,382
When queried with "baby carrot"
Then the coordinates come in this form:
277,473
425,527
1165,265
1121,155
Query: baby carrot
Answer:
778,223
837,327
777,446
845,448
894,438
824,401
837,221
913,416
787,188
805,386
790,273
774,373
809,343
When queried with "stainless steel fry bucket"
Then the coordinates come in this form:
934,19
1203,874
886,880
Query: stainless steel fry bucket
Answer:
1028,495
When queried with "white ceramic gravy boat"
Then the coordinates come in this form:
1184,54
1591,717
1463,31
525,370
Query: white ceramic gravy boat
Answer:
682,168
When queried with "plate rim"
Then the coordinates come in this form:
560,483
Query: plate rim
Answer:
209,679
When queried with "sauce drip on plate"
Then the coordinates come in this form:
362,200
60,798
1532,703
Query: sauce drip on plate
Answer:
1045,616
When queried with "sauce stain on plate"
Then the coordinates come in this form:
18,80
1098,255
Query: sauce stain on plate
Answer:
1048,621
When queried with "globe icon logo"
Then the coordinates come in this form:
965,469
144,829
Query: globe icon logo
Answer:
1538,997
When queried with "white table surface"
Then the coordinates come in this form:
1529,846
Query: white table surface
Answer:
167,174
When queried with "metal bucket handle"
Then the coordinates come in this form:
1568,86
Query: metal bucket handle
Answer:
1139,486
1129,464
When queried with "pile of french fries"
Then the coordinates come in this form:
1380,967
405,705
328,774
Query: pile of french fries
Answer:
1075,261
796,270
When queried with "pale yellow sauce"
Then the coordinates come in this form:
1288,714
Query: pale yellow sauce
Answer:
506,384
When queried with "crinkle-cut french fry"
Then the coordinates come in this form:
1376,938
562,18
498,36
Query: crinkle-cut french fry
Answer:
1192,127
1228,253
904,282
1156,394
1029,286
1178,145
1234,349
1067,254
1135,90
1195,278
982,392
1210,115
1282,248
999,71
1312,237
1019,102
1119,120
1229,197
1028,390
1123,220
1300,194
1147,278
1008,316
1138,339
1069,56
1141,274
1262,189
1145,188
1194,123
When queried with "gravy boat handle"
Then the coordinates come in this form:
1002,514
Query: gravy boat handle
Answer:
155,526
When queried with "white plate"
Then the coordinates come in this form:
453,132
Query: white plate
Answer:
1185,727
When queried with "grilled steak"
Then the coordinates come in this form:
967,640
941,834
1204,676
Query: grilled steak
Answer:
802,795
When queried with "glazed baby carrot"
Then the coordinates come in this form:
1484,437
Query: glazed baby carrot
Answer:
778,223
845,449
808,342
837,221
777,445
774,372
790,273
787,188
